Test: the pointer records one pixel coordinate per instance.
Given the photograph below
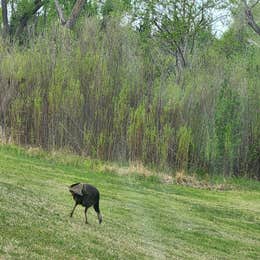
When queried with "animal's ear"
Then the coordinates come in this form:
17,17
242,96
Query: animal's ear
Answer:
77,189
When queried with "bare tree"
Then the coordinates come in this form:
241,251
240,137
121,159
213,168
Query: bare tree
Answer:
69,23
249,16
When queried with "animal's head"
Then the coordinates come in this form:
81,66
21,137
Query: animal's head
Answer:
76,188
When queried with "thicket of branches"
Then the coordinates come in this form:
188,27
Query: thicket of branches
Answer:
115,93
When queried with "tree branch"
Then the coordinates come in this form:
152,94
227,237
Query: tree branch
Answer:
27,15
253,5
60,12
250,18
172,41
74,13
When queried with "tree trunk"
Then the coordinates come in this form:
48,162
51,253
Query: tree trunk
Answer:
5,18
75,13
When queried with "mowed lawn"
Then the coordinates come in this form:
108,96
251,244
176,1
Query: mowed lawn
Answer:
143,219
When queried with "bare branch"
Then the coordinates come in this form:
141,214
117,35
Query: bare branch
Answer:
253,5
74,13
250,18
60,12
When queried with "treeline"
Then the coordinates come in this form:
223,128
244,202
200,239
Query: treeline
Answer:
113,93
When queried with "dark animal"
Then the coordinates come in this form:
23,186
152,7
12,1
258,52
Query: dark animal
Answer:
86,195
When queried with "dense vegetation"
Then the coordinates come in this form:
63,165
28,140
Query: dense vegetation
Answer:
143,219
167,92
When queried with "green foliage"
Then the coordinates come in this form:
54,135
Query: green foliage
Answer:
113,6
233,42
112,94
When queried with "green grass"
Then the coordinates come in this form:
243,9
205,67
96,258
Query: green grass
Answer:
143,219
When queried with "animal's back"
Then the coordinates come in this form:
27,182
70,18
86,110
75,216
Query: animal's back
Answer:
90,195
90,189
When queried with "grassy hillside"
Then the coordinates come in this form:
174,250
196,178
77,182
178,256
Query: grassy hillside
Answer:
143,219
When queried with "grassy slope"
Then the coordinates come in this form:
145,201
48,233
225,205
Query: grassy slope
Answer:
142,220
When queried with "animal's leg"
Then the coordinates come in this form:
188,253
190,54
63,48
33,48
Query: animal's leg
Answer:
86,209
96,207
71,214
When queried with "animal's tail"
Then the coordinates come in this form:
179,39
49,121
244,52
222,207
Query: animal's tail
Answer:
96,207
